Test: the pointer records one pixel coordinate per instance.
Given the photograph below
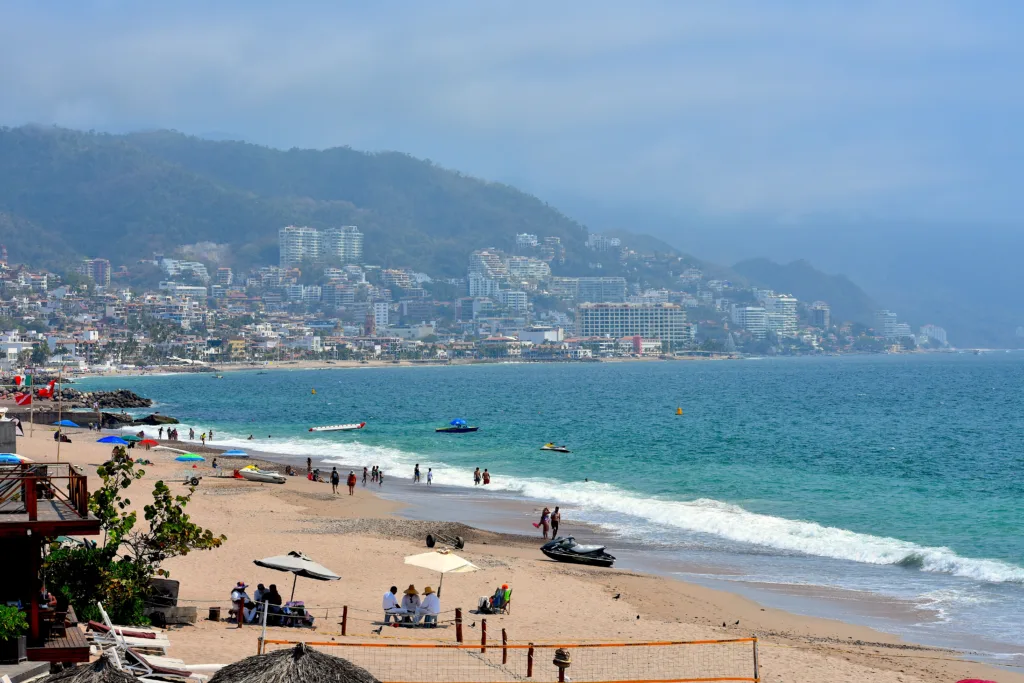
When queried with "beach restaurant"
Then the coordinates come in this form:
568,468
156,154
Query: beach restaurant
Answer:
40,502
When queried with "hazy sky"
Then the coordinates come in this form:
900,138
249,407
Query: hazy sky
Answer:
782,109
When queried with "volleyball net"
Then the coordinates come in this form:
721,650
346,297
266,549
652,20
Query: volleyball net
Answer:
644,662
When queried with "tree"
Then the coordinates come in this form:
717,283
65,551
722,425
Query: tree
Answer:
40,353
118,572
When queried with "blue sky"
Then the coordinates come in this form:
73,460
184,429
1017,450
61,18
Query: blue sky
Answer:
727,110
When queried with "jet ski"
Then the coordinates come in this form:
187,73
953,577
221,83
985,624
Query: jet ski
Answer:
568,550
556,449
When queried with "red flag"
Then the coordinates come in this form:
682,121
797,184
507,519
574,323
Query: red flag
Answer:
23,399
17,380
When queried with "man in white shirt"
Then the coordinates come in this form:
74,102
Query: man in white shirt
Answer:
429,608
390,602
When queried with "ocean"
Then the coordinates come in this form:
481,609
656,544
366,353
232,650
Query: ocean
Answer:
799,482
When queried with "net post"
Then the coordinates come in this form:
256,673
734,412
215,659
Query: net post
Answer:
458,625
483,636
757,668
240,614
259,645
504,647
344,620
529,662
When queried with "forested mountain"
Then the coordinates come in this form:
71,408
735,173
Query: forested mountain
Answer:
806,283
126,196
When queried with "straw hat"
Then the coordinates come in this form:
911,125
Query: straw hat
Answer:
428,590
411,590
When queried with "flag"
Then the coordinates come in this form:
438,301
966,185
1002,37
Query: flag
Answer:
28,380
17,380
23,399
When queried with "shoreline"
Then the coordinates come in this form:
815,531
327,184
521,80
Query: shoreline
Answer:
340,531
508,517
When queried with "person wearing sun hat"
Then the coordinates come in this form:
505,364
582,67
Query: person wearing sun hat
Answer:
429,608
240,599
411,599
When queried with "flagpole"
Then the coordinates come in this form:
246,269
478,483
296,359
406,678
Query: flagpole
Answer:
60,399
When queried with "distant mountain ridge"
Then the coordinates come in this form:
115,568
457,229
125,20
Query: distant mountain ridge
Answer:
805,282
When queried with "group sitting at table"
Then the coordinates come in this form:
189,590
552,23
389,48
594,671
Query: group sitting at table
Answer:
412,609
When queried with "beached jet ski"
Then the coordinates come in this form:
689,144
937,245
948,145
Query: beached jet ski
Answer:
556,449
568,550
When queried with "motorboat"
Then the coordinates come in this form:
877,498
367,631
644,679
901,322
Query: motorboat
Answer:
457,426
253,473
556,449
339,428
568,550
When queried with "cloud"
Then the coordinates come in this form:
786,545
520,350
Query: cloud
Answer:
722,107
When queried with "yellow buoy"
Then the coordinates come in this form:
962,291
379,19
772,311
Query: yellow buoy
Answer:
679,410
313,390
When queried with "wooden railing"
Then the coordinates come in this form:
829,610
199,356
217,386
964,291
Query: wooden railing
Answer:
32,481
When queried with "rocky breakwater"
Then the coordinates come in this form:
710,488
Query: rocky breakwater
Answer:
119,398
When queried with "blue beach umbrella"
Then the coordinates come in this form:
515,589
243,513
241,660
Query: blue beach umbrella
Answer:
190,457
458,422
234,453
113,439
65,423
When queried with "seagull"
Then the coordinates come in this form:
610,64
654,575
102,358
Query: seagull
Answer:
737,623
617,596
473,625
378,630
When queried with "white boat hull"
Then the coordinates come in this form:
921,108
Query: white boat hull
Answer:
339,428
262,476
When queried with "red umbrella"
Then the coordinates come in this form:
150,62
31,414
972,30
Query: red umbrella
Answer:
149,442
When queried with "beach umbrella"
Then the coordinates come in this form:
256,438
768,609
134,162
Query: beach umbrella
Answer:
100,671
234,453
132,437
113,439
13,459
458,422
149,442
299,565
297,665
442,561
64,423
190,457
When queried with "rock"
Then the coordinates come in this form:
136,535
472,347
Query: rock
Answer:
119,398
156,419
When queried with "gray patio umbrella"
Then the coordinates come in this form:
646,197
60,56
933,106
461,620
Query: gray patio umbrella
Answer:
100,671
300,665
299,565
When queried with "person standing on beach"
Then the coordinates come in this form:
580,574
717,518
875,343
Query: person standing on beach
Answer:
191,434
211,435
351,483
476,477
380,477
416,474
365,473
309,465
161,432
202,437
545,522
556,519
335,480
430,476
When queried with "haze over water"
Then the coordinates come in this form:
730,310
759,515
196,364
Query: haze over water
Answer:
897,475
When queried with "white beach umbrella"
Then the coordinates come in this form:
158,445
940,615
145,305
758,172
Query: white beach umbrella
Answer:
299,565
442,561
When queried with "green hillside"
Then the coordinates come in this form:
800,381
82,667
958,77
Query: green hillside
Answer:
806,283
127,196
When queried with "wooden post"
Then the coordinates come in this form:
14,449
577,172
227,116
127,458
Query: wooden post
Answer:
458,625
344,620
240,614
529,662
483,635
31,498
504,647
561,674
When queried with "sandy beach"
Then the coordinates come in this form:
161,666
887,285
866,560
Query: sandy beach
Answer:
364,539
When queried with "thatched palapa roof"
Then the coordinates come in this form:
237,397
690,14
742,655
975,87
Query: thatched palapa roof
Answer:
301,665
100,671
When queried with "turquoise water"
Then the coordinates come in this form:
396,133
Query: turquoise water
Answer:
895,474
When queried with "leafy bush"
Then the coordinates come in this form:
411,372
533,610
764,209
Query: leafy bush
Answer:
12,622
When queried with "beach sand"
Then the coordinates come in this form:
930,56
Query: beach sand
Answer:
361,538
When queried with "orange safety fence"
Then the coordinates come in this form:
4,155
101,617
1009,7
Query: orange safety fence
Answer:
641,662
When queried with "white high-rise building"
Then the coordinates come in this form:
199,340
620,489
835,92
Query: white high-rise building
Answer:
380,314
750,318
527,268
298,244
513,300
343,244
481,285
780,310
487,262
885,324
935,333
526,240
650,321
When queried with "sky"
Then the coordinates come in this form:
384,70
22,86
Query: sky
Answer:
780,111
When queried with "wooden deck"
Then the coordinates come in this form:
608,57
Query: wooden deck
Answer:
54,517
74,647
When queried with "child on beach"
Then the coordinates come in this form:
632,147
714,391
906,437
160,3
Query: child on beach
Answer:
430,476
380,478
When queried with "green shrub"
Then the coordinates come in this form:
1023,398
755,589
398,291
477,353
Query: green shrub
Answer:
12,622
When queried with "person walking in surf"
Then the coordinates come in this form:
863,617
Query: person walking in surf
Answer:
366,473
556,519
416,474
476,477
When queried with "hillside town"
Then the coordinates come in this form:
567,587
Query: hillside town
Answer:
323,301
